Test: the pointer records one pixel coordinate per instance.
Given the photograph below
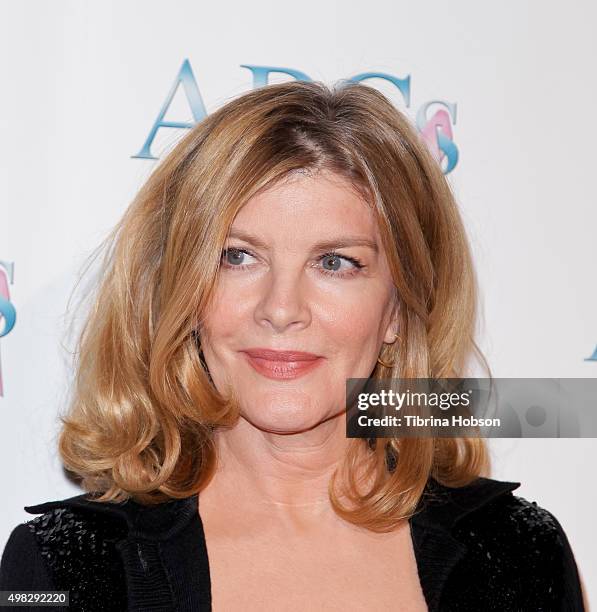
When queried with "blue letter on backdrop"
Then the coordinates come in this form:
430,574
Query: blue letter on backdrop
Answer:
7,310
186,77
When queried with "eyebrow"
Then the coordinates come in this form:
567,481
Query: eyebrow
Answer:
323,245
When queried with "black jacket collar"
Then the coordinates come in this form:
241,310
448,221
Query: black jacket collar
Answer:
445,506
158,522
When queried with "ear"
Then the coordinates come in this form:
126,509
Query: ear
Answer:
392,327
391,333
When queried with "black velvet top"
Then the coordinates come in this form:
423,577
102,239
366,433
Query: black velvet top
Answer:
478,548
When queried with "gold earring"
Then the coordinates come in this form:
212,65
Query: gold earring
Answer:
383,363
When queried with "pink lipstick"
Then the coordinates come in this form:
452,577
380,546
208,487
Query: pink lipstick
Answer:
282,365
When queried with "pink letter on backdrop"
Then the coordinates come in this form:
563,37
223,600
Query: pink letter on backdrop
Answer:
440,119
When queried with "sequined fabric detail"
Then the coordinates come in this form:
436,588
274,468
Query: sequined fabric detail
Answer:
79,550
515,560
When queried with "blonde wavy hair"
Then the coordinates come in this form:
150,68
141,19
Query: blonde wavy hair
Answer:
143,410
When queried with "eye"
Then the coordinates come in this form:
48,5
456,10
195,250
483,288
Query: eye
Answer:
235,258
335,260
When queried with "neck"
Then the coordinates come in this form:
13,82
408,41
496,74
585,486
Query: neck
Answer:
283,474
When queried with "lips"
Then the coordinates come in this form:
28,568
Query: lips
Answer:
282,364
272,355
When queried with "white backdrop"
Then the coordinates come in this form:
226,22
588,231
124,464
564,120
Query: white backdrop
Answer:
83,83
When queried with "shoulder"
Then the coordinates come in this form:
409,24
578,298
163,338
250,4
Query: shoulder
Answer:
519,548
521,531
99,551
21,566
515,515
71,546
491,506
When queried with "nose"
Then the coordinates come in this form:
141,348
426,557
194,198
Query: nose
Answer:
283,302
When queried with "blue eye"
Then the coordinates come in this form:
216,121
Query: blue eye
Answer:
337,260
234,257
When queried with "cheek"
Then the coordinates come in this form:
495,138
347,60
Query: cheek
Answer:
217,332
353,340
222,319
354,322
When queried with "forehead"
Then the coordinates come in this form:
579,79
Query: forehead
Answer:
303,205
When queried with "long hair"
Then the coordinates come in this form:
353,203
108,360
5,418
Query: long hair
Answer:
143,410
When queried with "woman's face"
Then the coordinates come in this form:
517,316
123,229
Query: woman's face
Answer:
280,289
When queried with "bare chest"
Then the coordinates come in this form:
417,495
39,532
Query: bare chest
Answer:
315,570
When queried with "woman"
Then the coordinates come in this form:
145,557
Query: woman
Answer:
297,237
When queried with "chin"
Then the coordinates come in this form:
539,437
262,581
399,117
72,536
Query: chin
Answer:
283,412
